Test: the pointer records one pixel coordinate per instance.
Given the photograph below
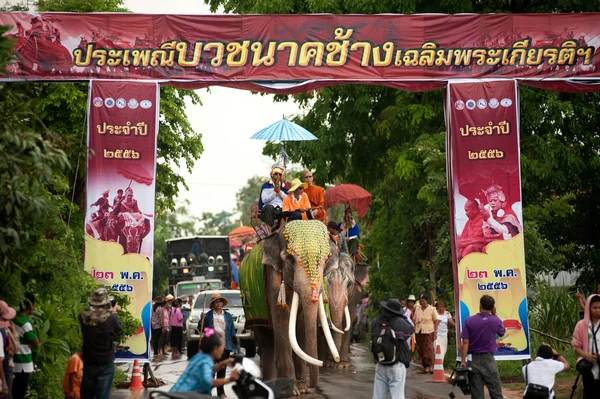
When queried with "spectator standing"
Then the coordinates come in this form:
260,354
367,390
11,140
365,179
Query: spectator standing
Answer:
175,320
6,337
99,328
543,370
478,347
445,320
586,341
391,378
164,337
73,374
426,325
23,359
222,322
157,324
409,313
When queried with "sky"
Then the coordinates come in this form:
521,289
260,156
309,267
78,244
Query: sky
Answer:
227,118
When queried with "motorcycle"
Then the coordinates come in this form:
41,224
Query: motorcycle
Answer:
248,385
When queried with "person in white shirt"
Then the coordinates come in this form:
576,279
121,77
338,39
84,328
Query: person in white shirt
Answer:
542,371
445,319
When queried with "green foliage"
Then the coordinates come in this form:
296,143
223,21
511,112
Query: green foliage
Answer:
248,196
129,324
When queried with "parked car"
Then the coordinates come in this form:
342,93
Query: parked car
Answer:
234,306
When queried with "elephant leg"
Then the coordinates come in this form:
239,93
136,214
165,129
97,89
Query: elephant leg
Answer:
281,321
265,339
299,364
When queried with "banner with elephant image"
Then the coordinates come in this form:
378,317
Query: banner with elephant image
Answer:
119,222
484,180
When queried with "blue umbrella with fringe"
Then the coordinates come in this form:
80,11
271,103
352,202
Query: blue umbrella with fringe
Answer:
283,130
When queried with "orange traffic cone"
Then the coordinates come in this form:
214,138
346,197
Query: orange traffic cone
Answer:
438,367
136,377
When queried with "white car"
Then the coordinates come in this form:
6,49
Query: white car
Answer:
234,306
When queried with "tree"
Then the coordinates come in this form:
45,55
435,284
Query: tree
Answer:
248,196
391,143
218,224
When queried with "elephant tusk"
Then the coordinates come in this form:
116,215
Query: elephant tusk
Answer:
335,329
348,320
292,335
326,332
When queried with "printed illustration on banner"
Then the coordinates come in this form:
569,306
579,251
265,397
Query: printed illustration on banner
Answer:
133,104
109,102
470,104
121,103
506,102
145,104
481,103
494,103
98,102
459,105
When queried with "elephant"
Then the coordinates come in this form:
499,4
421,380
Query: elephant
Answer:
293,262
345,288
127,229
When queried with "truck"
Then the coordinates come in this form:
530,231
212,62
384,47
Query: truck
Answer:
197,261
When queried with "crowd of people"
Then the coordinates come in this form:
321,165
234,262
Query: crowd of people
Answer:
280,202
168,321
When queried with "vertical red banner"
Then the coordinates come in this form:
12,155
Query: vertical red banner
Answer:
484,182
121,175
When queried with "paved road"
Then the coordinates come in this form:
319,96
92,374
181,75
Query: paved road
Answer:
353,383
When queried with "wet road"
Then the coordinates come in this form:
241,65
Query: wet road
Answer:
356,382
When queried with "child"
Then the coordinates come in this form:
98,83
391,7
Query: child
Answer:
72,380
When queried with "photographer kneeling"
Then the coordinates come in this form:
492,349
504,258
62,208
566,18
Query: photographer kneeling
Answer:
540,374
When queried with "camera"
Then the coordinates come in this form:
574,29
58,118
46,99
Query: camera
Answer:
461,380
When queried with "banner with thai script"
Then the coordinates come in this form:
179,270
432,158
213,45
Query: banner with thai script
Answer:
121,176
486,212
292,53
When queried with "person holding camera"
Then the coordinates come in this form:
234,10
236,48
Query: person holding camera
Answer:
478,346
540,374
586,341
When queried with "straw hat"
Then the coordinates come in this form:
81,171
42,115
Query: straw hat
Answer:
100,297
295,184
6,314
215,297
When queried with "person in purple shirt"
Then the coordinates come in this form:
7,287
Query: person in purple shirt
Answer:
478,347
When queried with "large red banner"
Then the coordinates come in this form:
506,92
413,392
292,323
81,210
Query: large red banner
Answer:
291,53
486,213
119,241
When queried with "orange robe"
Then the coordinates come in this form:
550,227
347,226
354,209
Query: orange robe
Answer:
316,195
290,205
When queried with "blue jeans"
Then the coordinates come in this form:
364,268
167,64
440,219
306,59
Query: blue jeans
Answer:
97,381
389,380
8,374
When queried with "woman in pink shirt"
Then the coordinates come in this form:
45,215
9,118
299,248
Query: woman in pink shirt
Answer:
176,318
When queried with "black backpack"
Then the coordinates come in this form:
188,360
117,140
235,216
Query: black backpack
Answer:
384,344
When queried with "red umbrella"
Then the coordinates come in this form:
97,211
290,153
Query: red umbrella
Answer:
241,233
235,243
136,172
349,194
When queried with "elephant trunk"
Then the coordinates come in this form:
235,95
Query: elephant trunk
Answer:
309,335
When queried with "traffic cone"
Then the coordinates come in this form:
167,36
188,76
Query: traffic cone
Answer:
438,367
136,377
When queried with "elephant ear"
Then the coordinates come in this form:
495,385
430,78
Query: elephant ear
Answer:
332,263
361,275
272,247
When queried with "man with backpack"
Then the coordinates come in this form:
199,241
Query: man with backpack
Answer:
389,343
539,374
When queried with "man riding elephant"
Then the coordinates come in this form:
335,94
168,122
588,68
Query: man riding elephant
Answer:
271,198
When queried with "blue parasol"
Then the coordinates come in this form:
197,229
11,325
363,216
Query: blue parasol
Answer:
284,130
